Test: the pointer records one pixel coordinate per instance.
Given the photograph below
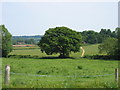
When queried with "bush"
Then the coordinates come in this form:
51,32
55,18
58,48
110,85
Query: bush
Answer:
5,41
79,67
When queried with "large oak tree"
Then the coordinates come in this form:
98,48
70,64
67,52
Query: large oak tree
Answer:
60,40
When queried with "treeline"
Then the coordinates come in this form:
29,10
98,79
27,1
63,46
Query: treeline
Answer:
26,39
111,46
88,36
92,37
64,40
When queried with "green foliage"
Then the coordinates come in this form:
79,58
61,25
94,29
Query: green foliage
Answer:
60,40
108,46
92,37
5,42
105,33
117,51
30,41
112,45
79,67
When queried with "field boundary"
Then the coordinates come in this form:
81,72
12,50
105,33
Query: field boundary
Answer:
8,73
24,74
26,48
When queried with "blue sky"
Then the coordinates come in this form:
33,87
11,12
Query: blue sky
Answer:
34,18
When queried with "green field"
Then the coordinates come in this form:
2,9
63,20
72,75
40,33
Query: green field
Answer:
60,73
35,51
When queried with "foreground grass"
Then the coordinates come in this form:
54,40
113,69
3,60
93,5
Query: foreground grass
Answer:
62,73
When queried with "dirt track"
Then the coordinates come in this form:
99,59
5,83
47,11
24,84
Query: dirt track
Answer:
83,51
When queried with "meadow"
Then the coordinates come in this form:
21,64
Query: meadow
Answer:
35,51
74,72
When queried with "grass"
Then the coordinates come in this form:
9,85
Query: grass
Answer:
61,73
20,48
89,50
59,69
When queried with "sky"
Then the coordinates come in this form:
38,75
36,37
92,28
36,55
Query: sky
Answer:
34,18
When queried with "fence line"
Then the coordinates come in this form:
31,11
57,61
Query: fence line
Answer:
7,75
36,79
24,74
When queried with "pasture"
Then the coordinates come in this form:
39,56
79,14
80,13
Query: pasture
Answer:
59,73
35,51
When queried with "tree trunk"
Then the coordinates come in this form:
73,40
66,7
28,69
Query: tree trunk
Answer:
64,55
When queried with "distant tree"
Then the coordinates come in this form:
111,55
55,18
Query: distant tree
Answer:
29,41
113,34
5,44
14,41
32,41
117,52
104,34
90,37
108,33
108,46
60,40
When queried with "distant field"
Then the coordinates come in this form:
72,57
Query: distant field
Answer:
62,73
59,73
89,50
27,47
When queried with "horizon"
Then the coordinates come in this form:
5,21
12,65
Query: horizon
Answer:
75,30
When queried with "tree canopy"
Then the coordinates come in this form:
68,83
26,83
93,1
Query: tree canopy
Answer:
112,45
5,41
92,37
60,40
117,52
107,47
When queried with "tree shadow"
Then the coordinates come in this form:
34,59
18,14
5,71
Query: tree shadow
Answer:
37,57
94,57
57,58
103,57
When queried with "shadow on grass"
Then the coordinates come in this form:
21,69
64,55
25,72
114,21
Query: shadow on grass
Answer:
103,57
57,58
94,57
38,57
